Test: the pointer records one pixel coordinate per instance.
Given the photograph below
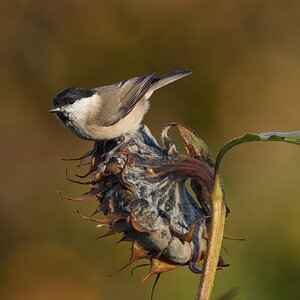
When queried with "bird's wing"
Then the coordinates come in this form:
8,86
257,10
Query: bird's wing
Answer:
119,99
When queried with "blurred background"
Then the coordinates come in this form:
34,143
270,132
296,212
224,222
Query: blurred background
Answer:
246,61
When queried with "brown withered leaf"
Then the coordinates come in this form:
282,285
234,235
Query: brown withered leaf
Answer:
137,252
91,193
193,144
158,266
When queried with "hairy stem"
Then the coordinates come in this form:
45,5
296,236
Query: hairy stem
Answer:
216,231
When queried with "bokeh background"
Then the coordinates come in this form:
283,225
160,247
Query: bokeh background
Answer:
246,61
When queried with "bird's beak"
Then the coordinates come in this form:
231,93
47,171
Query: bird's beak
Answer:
55,109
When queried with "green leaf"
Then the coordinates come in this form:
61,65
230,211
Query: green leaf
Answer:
292,137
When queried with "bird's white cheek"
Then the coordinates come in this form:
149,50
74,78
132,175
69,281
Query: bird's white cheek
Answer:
83,109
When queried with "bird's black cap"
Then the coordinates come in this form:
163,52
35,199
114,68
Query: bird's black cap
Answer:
70,95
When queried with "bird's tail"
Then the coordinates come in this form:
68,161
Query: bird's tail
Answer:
168,78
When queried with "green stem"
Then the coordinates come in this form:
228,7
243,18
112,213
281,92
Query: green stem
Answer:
216,232
216,228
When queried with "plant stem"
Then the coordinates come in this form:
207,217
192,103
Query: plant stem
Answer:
216,232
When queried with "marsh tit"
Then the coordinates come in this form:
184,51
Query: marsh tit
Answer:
112,111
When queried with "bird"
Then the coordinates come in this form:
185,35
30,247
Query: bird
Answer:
112,111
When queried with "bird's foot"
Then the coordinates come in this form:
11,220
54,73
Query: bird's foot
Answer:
110,153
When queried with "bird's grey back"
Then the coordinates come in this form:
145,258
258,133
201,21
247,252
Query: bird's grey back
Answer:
120,98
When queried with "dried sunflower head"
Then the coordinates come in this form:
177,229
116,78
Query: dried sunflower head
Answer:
142,192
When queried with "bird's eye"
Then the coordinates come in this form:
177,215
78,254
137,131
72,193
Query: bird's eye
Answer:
71,101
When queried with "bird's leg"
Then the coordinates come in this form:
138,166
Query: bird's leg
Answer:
111,152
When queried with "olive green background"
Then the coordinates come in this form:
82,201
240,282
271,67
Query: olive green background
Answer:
246,61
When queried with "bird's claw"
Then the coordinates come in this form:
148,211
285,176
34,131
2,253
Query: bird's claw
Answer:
107,158
110,154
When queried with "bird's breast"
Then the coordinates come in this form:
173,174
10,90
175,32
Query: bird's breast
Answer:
128,125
